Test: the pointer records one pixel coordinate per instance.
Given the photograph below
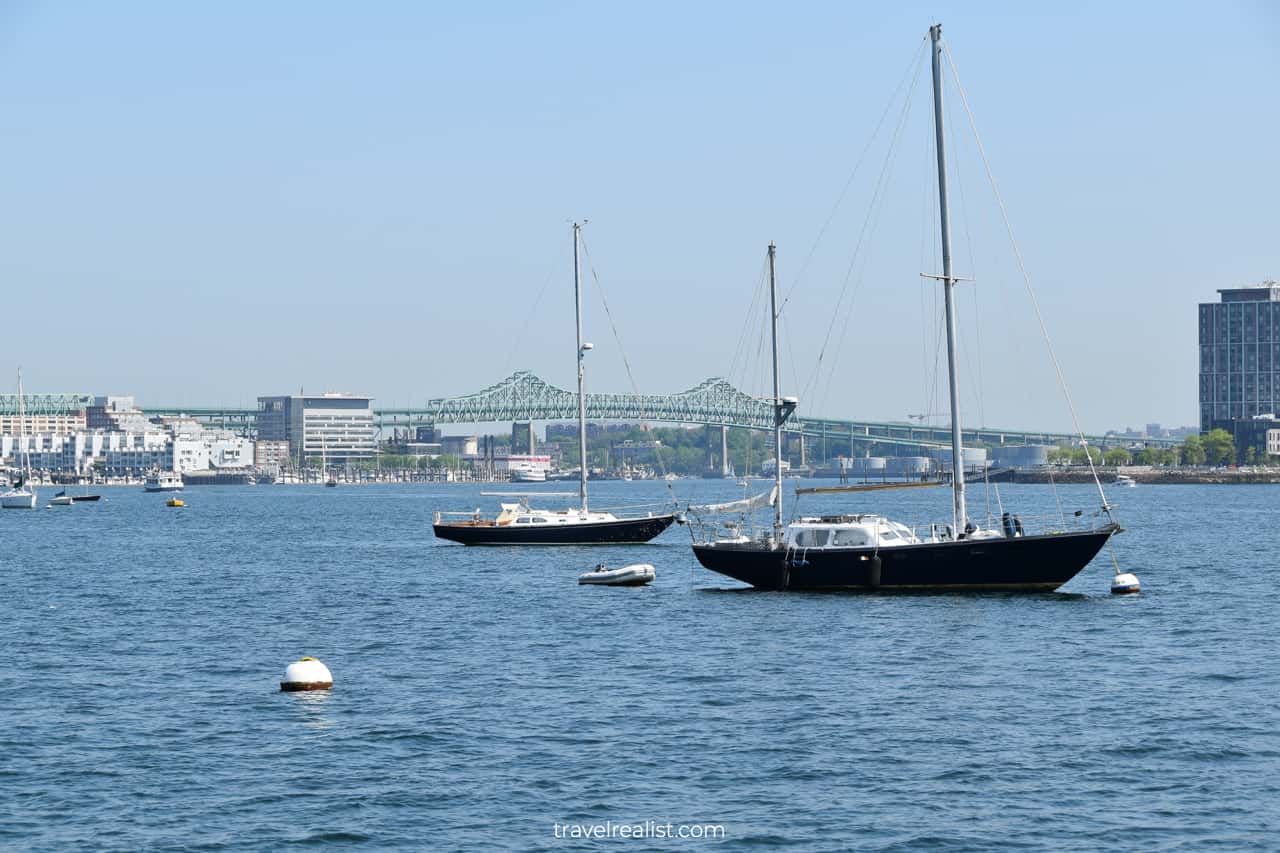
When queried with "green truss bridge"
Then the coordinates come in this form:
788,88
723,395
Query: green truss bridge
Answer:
524,397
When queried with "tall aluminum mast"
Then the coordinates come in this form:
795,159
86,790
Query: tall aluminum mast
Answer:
778,406
961,516
582,351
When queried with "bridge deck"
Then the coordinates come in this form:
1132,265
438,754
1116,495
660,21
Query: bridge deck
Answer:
523,396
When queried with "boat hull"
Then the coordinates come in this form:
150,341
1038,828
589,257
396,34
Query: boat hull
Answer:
20,500
623,530
1025,564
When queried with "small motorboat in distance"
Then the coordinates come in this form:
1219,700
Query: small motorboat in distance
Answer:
61,499
1124,480
637,574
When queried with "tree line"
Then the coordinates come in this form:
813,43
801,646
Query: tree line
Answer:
1215,447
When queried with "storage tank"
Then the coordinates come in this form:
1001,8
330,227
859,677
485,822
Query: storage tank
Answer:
868,466
1021,456
974,459
910,466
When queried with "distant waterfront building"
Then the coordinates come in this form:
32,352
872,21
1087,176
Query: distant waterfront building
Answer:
337,426
44,413
523,439
1240,354
129,453
270,454
115,414
1240,360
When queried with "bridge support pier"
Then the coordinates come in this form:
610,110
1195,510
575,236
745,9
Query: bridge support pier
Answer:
724,451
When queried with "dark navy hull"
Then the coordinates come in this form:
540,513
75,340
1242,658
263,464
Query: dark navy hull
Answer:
1025,563
596,533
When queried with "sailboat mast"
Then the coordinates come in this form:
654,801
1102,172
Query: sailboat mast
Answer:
777,396
582,394
22,434
961,516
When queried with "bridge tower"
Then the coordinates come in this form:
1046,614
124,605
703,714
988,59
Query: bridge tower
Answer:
522,438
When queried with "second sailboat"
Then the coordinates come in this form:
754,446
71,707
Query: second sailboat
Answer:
519,524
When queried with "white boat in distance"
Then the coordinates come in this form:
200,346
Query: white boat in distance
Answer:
18,496
1124,480
163,481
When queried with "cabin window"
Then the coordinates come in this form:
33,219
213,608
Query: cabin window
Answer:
522,520
888,534
851,537
539,521
812,538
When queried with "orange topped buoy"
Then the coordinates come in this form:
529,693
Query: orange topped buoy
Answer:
306,674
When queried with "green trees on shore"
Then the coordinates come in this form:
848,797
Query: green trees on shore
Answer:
1215,447
1219,447
1117,456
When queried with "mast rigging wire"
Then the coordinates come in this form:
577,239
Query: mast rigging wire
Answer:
869,226
1026,278
635,389
522,336
915,63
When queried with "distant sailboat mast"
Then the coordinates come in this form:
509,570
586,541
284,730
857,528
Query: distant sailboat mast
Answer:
960,514
22,435
582,351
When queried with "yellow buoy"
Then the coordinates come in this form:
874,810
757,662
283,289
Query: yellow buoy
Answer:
174,502
306,674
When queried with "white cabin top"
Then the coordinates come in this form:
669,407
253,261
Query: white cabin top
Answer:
848,531
521,514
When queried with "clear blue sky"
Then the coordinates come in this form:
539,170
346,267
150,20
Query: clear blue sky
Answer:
204,203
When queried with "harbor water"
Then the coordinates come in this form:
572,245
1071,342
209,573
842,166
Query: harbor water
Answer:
483,700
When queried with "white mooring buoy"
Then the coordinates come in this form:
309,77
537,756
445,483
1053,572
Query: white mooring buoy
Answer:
306,674
1125,584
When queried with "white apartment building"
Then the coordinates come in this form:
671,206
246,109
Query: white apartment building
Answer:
338,427
118,454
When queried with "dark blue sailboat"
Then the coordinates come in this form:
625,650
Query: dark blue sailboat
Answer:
869,552
519,524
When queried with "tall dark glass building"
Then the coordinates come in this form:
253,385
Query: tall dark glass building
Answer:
1240,356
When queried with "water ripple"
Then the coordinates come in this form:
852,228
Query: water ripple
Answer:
482,696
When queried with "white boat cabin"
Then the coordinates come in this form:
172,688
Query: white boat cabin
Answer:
521,514
865,531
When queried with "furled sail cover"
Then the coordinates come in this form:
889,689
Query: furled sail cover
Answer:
744,505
